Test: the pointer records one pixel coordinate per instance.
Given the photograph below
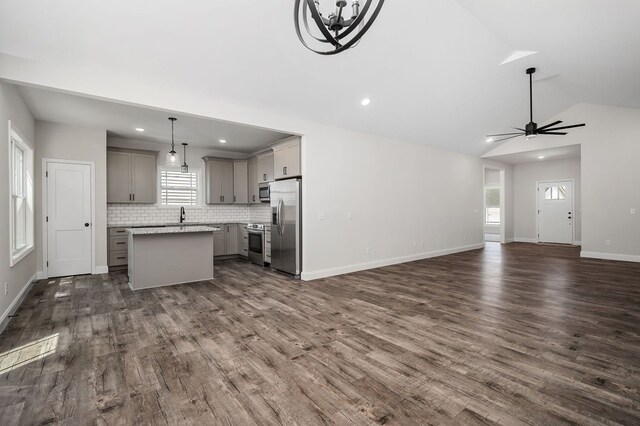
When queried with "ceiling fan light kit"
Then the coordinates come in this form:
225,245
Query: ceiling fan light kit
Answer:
531,129
335,33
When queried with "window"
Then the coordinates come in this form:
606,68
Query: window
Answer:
21,202
492,205
177,188
555,193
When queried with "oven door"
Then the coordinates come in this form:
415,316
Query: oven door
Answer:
256,247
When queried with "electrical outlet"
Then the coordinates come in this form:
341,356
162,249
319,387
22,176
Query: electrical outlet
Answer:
6,288
607,243
368,250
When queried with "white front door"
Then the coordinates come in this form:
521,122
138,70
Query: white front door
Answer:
69,244
555,212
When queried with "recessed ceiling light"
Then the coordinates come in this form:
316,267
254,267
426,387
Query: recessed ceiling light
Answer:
222,140
540,157
139,129
365,101
489,140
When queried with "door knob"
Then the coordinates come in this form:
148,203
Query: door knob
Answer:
86,225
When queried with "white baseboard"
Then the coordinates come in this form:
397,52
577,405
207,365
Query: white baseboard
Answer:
4,319
102,270
610,256
330,272
577,243
510,240
40,275
525,240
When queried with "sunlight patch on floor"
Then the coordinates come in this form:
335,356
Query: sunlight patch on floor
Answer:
28,353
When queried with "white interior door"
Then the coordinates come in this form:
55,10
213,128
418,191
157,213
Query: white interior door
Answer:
555,212
69,244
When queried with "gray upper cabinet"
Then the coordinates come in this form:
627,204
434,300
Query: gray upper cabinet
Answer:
143,178
286,158
218,180
131,176
227,182
118,177
254,196
265,167
241,182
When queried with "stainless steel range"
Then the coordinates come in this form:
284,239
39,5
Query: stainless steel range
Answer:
255,232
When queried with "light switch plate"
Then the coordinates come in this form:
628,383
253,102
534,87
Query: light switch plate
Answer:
632,211
322,215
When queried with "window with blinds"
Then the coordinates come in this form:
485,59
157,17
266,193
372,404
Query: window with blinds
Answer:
178,189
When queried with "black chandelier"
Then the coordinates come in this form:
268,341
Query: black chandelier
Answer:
336,33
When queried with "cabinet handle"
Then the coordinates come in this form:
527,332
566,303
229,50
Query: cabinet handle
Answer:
129,197
254,198
120,243
134,197
234,198
264,176
120,258
284,170
221,198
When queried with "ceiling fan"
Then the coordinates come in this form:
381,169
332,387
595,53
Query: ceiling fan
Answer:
531,130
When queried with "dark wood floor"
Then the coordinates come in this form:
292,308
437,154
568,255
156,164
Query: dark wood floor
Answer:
520,334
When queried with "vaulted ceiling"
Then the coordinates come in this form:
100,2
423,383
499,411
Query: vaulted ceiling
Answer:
432,68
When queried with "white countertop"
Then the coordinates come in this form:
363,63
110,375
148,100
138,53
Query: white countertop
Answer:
171,230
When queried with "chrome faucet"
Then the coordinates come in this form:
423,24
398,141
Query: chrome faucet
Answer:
182,214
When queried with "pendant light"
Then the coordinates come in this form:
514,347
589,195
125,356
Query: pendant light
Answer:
173,159
340,30
184,168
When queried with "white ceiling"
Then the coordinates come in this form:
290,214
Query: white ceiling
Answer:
549,154
431,68
121,120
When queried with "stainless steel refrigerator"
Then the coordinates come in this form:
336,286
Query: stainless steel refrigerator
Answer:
286,225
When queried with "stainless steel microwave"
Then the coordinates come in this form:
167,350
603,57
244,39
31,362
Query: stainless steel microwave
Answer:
263,192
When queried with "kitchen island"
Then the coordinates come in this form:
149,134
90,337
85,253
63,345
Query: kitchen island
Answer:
169,255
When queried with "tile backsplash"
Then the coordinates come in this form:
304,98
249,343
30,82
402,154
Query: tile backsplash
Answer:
141,214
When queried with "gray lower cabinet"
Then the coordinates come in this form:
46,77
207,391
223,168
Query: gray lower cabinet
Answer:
243,240
131,176
231,239
267,244
219,242
218,180
118,248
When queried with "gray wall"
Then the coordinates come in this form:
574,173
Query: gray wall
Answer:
64,142
525,177
12,108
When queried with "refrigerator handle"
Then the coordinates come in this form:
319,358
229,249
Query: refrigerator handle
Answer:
280,217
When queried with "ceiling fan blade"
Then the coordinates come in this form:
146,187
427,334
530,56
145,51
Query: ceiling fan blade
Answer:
566,127
505,134
552,133
510,137
546,126
518,128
